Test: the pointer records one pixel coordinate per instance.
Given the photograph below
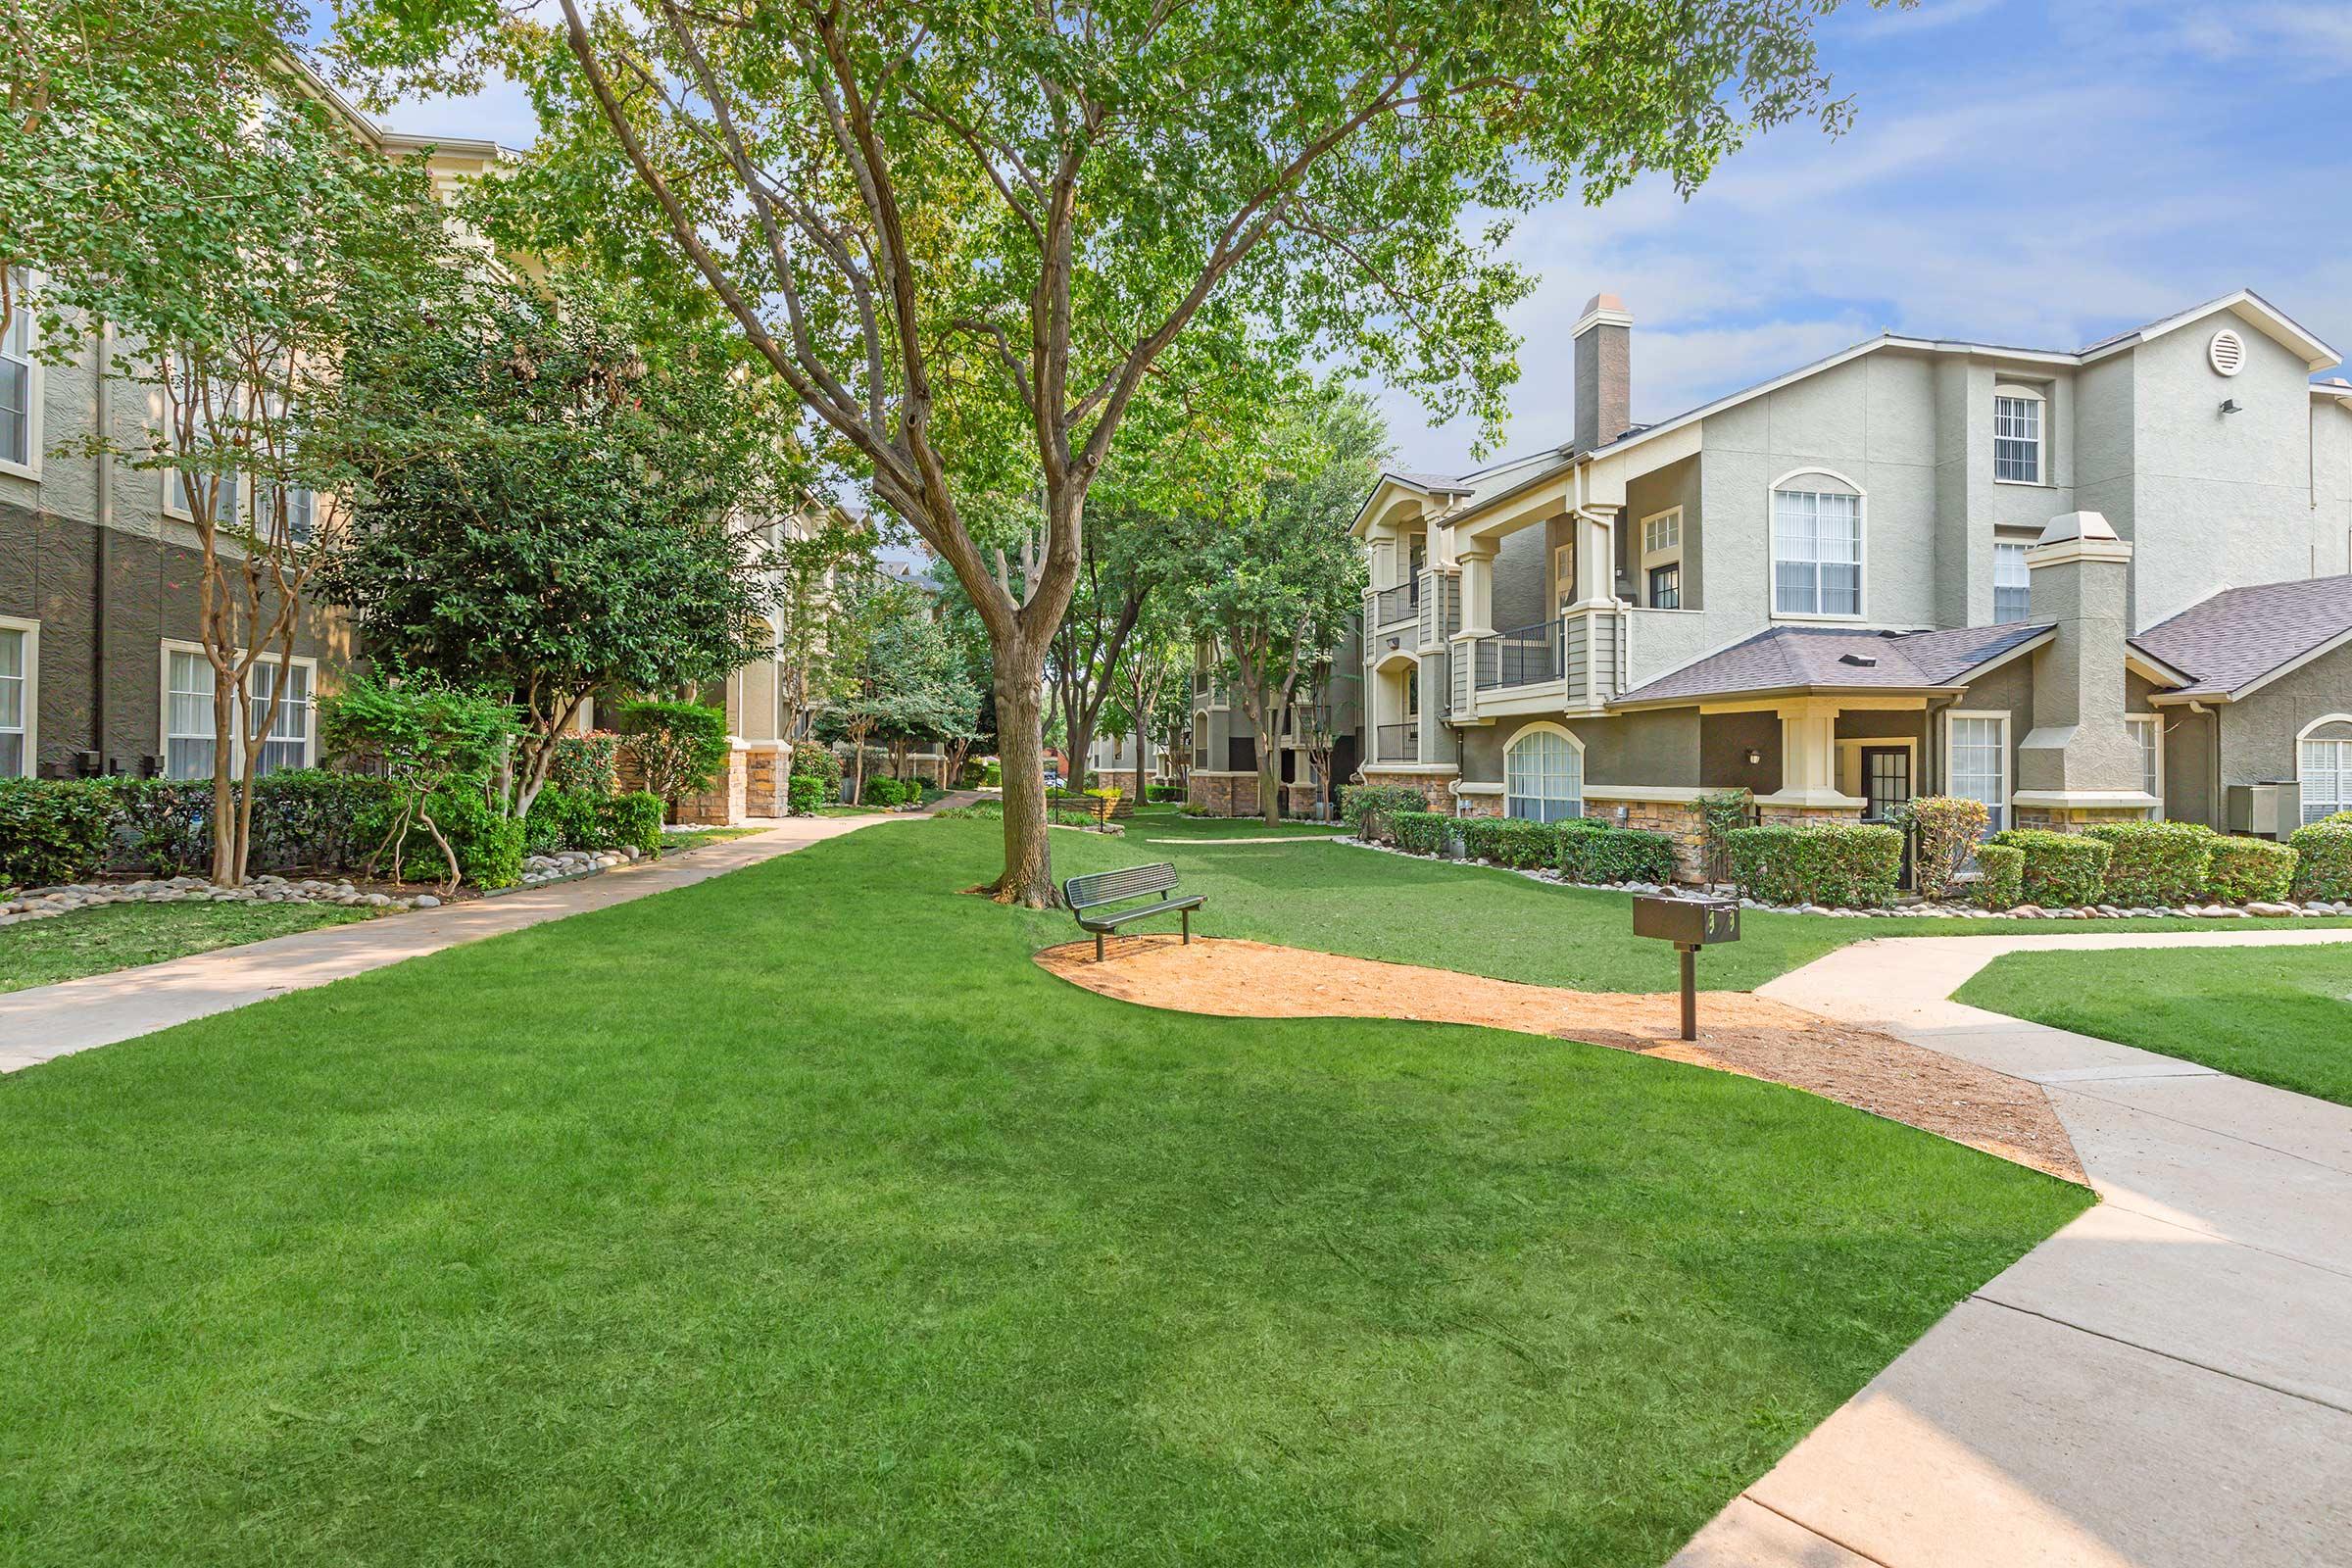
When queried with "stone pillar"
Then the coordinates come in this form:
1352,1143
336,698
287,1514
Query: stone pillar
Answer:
2080,757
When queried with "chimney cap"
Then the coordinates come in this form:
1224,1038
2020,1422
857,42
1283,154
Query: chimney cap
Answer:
2077,525
1602,309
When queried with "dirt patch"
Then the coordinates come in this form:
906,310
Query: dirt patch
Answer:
1738,1032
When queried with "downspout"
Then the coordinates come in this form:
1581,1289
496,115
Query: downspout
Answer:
103,410
1931,752
2216,812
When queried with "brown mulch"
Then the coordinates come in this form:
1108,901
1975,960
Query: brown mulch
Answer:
1738,1032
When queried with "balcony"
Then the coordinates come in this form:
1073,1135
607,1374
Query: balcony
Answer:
1392,607
1525,655
1576,661
1305,724
1396,742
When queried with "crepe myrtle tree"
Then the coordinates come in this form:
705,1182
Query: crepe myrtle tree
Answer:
952,226
819,637
1275,585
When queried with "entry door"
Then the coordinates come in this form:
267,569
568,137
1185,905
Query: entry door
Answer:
1886,785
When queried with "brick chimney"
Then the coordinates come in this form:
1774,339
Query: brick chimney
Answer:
2080,762
1604,372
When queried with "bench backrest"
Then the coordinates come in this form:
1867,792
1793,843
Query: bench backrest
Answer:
1113,887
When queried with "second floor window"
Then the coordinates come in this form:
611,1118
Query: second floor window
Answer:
1816,552
16,381
2017,438
1666,587
2012,583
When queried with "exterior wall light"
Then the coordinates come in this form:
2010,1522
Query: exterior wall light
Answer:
2232,405
1754,756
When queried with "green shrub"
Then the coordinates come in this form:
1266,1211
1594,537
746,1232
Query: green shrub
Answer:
52,830
589,763
633,820
565,819
1615,854
1163,792
301,817
2250,870
1366,807
992,776
1946,830
1842,865
805,793
883,790
679,748
1721,813
813,760
2154,862
1511,841
1421,832
2323,860
489,845
2063,870
2002,883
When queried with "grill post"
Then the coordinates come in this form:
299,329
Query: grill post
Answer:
1690,953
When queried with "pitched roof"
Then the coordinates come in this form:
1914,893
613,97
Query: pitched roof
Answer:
2242,636
1796,659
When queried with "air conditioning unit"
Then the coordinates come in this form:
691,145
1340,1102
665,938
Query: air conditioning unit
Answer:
2266,811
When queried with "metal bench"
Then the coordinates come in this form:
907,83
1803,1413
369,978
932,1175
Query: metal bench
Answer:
1089,898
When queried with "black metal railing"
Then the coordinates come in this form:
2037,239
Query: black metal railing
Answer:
1718,854
1523,656
1400,603
1396,742
1305,722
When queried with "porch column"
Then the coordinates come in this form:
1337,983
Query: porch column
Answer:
1809,760
1595,558
1477,588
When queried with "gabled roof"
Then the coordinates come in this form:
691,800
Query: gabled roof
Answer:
2244,638
1797,659
2259,312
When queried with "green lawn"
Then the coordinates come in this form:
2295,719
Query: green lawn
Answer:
797,1216
696,838
2278,1016
120,936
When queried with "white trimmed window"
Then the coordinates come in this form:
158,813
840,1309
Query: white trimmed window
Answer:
1544,777
2017,435
1662,533
15,702
1816,552
1977,759
2325,774
189,743
1563,574
2012,583
2147,731
19,382
288,743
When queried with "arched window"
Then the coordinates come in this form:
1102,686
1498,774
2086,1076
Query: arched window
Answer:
2323,767
1816,545
1543,776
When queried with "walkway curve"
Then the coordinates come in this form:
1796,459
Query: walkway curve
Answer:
2166,1383
44,1022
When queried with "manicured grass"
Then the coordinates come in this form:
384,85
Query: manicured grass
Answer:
122,936
797,1216
850,810
2278,1016
697,837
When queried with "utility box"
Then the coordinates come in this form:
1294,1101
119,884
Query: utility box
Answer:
2267,810
1686,922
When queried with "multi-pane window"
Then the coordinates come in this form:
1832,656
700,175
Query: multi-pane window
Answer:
1666,587
2017,439
1816,552
1662,533
2326,775
1544,778
300,507
14,701
287,744
1979,764
16,379
189,746
2012,583
2148,734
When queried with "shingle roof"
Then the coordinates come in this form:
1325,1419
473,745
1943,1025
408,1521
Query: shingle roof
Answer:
1831,657
2239,635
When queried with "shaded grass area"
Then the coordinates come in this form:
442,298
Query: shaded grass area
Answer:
2278,1016
696,838
1338,898
122,936
797,1216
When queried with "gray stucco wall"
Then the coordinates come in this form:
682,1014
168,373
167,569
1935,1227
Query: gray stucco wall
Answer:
1723,741
2258,733
1522,576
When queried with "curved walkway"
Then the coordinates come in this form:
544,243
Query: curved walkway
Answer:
2166,1383
44,1022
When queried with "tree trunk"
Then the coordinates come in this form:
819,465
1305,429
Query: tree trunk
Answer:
1082,746
225,752
857,767
1028,876
1270,785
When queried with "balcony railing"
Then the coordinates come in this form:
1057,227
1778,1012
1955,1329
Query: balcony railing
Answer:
1305,723
1525,655
1396,742
1400,603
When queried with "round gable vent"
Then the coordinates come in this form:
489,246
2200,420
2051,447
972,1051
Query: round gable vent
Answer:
2227,351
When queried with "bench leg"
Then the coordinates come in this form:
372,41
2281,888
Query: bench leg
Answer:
1097,947
1186,915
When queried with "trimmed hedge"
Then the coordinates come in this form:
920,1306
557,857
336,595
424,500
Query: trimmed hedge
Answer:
1163,792
1844,865
2323,860
1511,841
2063,870
634,820
1363,805
2002,885
1421,832
301,817
2154,862
1603,853
883,790
804,793
52,830
2250,870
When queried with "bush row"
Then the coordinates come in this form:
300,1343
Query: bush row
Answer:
2324,858
2139,864
1580,849
1840,866
1366,806
883,790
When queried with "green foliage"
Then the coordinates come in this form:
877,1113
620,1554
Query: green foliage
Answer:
488,844
2154,862
1163,792
807,792
1946,832
633,820
1721,813
2243,870
1511,841
809,760
680,748
567,818
883,790
2063,870
2323,860
992,777
1603,853
589,763
302,817
2001,884
436,743
52,830
1421,832
1367,807
1840,865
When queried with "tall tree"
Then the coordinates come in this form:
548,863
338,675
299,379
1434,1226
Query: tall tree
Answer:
958,227
911,684
819,634
1160,655
1277,584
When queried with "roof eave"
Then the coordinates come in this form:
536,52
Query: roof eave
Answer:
1759,694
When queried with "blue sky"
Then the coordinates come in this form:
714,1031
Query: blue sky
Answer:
2039,172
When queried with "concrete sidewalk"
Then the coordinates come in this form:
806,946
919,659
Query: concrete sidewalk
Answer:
45,1022
2166,1383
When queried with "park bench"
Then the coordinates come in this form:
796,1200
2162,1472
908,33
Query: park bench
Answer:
1091,898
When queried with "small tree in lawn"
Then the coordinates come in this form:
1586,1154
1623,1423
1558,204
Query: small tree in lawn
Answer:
1158,657
819,635
1277,585
423,735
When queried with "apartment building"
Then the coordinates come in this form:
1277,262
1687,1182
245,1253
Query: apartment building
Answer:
2074,584
1326,719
